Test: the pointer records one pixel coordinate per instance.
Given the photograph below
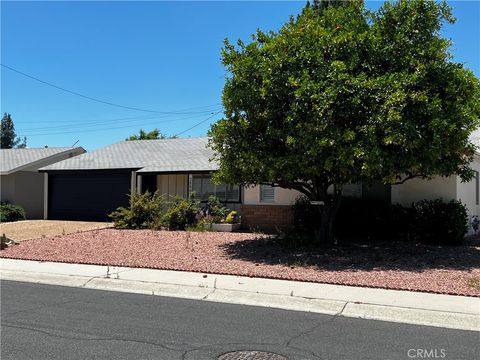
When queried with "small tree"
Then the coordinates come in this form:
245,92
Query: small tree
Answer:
143,135
8,137
343,95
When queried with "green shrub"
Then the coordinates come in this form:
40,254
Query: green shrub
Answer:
439,222
181,214
215,211
143,212
10,212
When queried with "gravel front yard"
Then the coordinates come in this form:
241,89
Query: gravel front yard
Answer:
448,270
34,229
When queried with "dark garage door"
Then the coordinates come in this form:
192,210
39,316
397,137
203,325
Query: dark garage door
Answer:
86,195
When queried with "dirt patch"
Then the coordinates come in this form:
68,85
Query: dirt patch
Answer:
34,229
447,270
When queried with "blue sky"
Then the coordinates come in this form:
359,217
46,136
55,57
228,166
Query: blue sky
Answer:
162,56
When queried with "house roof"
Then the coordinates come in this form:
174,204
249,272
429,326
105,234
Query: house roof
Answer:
475,138
12,160
166,155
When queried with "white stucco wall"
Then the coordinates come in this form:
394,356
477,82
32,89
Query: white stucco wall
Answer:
466,192
251,196
418,189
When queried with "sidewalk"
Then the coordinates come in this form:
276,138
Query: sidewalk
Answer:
447,311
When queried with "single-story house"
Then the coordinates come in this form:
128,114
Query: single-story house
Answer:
21,183
91,185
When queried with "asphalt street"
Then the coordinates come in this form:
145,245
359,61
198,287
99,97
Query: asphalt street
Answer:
54,322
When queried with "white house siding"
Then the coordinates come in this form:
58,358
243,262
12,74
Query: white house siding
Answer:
418,189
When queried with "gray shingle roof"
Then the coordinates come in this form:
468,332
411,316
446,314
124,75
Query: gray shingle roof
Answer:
12,160
167,155
475,138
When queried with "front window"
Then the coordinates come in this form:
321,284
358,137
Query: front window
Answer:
203,187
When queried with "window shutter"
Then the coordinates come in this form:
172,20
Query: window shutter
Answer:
267,193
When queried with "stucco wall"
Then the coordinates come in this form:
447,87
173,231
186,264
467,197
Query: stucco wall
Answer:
466,192
418,189
251,196
7,188
24,188
29,193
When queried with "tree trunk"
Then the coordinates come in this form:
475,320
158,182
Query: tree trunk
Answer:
326,214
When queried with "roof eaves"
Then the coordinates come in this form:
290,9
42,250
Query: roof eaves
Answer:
75,151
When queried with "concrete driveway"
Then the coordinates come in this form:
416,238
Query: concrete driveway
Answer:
34,229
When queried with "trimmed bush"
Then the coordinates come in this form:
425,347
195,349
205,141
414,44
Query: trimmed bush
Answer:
438,222
10,212
143,212
181,214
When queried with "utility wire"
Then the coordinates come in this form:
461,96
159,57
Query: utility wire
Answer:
93,123
121,127
198,124
92,98
210,109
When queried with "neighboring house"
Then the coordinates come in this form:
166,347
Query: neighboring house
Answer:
90,186
21,183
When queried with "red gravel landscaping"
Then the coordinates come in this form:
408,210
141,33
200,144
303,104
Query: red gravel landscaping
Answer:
447,270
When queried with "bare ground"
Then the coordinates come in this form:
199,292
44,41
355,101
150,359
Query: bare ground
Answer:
447,270
34,229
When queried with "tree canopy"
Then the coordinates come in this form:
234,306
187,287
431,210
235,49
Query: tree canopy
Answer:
152,135
8,137
343,95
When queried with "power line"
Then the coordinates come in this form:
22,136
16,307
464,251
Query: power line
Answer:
96,130
121,127
198,124
92,98
94,123
208,109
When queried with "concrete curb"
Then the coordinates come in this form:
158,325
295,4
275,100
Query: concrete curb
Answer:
456,312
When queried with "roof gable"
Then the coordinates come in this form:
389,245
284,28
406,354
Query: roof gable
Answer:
12,160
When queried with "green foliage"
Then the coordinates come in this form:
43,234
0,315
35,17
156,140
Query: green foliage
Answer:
181,214
143,212
152,135
215,211
439,222
8,137
10,212
344,95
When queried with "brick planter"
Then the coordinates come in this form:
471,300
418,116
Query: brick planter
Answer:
267,218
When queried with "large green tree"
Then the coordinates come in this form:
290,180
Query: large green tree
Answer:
8,137
344,95
151,135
